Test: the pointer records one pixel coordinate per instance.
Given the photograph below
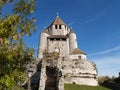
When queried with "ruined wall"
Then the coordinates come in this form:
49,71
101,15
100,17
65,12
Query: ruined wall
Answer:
80,72
49,78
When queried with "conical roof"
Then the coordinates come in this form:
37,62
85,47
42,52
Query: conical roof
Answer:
57,21
78,51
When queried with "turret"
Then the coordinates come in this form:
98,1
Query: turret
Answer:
72,41
58,27
43,43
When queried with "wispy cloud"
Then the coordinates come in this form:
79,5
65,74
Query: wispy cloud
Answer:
107,61
97,16
70,23
108,65
107,51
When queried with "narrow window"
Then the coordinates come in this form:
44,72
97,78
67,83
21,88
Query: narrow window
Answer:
79,57
55,26
59,26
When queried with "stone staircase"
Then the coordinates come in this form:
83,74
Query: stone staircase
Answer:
51,84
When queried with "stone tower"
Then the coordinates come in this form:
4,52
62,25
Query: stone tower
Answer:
62,61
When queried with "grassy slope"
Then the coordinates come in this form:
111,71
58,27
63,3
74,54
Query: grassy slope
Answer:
69,87
83,87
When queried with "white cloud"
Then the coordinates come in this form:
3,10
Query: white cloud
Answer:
107,51
96,16
108,65
107,61
71,23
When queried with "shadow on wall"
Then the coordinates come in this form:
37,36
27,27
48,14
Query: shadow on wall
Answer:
36,77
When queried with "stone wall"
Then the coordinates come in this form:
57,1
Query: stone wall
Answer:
61,45
59,31
81,80
78,56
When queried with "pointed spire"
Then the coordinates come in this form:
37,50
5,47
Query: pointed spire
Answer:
57,21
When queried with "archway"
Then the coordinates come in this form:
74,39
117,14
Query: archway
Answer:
51,82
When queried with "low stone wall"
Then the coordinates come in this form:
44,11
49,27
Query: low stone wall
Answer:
81,80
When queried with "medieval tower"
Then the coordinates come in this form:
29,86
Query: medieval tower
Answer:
61,59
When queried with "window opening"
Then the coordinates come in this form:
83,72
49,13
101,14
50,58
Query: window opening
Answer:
59,26
55,26
79,57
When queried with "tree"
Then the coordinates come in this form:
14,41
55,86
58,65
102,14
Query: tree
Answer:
14,54
102,79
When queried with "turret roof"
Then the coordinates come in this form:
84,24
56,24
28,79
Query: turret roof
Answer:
78,51
57,21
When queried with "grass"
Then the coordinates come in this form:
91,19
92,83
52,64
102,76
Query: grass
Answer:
83,87
69,87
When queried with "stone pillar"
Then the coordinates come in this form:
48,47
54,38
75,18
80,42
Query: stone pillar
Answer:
60,75
43,76
61,82
42,80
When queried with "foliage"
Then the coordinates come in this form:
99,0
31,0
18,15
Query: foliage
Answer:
53,55
14,54
117,80
101,79
83,87
112,83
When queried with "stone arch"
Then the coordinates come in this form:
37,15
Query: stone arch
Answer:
51,81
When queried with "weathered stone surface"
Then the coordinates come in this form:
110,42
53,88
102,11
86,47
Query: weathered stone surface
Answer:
80,72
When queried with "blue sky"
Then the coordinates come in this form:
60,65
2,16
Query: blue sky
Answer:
96,23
